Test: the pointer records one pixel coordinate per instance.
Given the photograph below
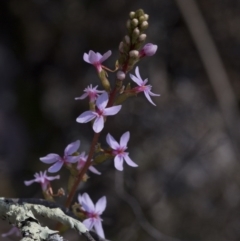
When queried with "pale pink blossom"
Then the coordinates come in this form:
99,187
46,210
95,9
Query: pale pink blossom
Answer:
96,59
93,212
81,162
148,50
58,161
90,92
13,231
100,113
43,179
119,151
142,87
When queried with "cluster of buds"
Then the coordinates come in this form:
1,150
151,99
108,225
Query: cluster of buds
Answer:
130,49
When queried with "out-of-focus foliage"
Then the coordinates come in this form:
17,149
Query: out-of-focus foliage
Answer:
187,182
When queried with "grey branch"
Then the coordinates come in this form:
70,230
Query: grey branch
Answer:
22,215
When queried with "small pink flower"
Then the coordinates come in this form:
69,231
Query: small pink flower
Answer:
96,59
58,161
119,151
90,91
82,161
93,212
142,87
13,231
148,50
43,179
100,113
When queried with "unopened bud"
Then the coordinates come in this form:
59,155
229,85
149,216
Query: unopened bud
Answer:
146,16
134,22
132,15
144,25
142,37
134,53
127,39
121,75
148,50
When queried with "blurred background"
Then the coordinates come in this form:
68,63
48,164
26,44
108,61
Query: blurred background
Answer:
187,147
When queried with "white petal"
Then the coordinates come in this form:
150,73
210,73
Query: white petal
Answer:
124,139
101,205
72,147
50,158
94,170
112,110
98,124
87,203
136,80
102,101
55,167
106,56
129,161
153,94
86,58
148,97
86,116
88,223
137,73
118,163
112,142
98,228
83,96
93,58
53,178
27,183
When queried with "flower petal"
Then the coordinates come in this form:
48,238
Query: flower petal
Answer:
89,222
71,148
136,80
124,139
72,159
129,161
137,73
101,205
87,203
94,170
93,57
106,56
102,101
83,96
52,178
50,158
148,97
27,183
86,116
118,163
98,124
112,110
86,58
55,167
112,142
98,228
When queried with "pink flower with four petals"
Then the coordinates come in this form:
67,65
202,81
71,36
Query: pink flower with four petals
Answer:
142,87
58,161
96,59
93,212
119,151
100,113
43,179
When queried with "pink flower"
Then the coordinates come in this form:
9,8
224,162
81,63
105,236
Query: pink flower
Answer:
93,212
92,92
82,161
142,87
119,151
58,161
148,50
13,231
100,113
43,179
96,59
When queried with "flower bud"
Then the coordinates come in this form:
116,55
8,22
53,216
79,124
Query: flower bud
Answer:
120,48
132,15
142,37
134,22
121,75
146,16
148,50
134,53
127,39
144,25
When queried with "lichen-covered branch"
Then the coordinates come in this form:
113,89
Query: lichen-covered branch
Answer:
22,215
